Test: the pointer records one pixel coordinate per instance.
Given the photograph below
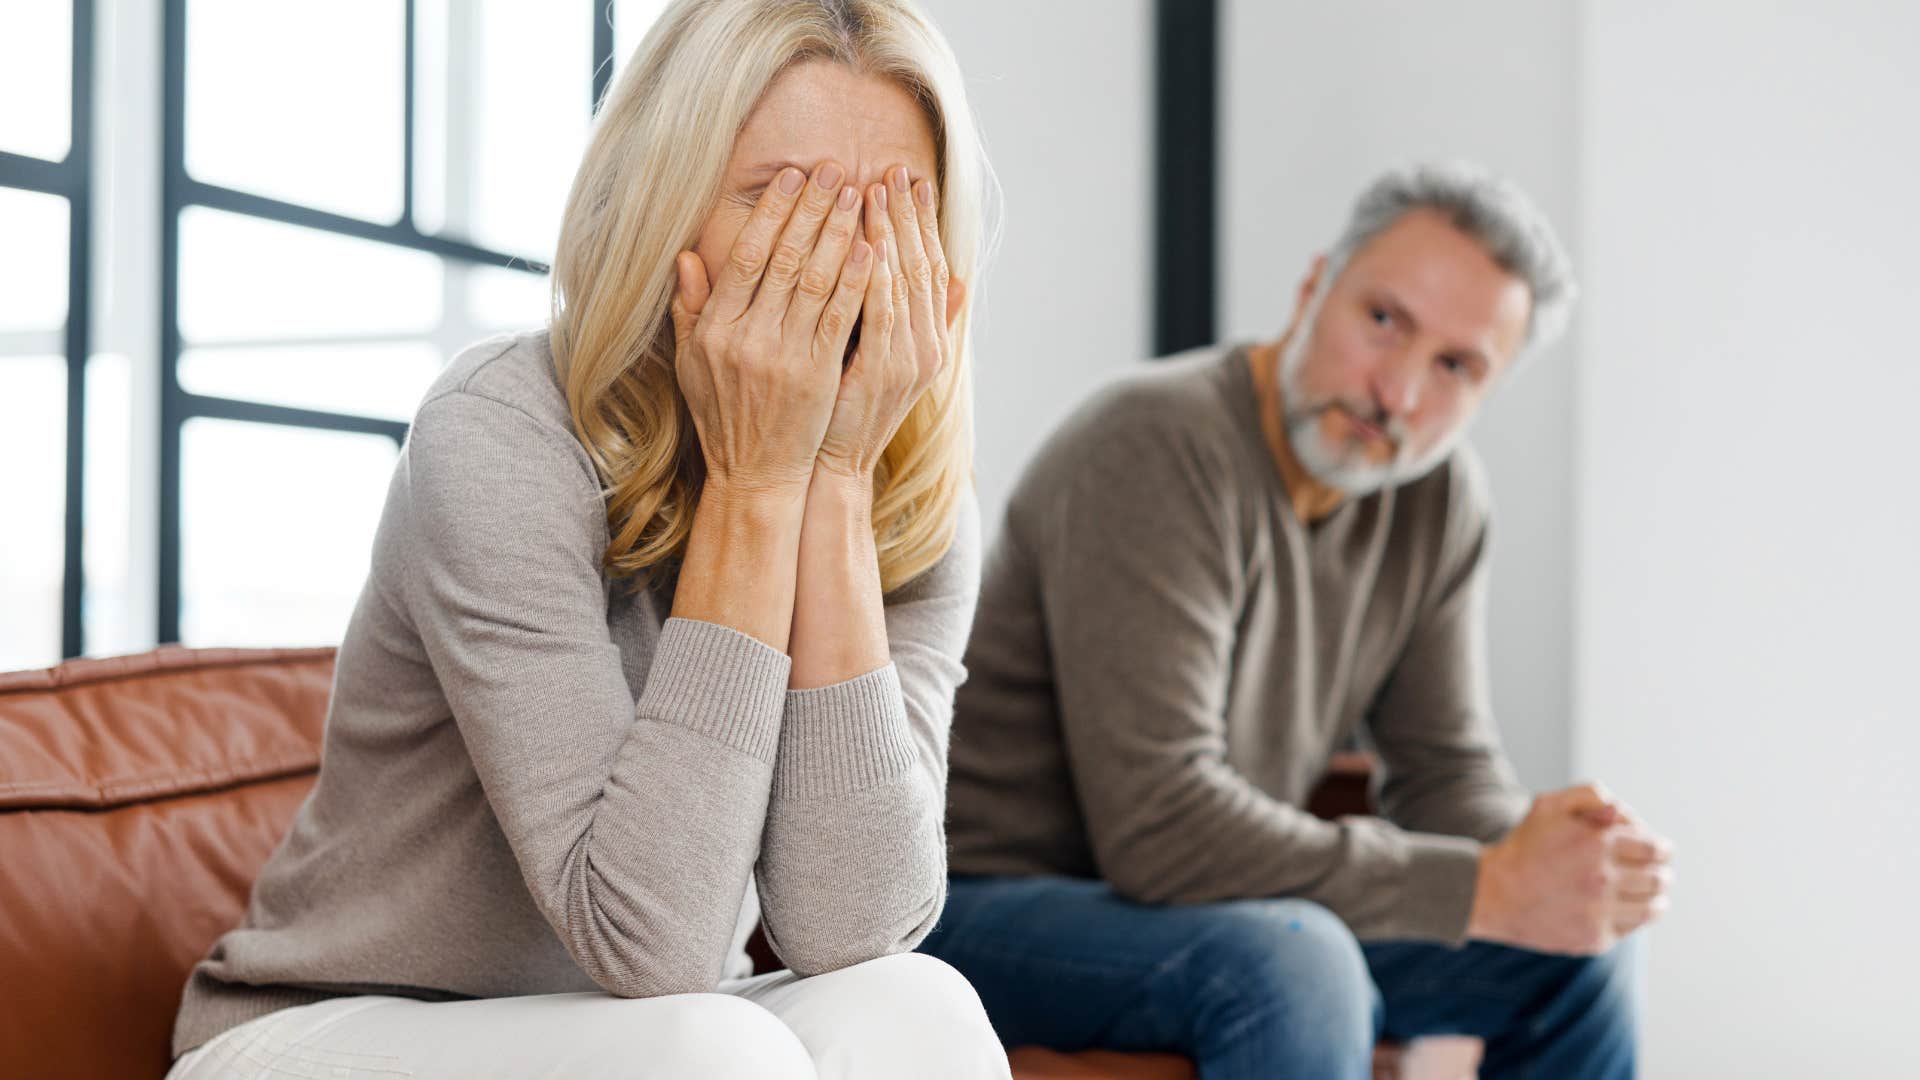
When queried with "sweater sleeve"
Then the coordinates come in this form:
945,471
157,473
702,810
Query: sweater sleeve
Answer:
635,826
1432,723
854,859
1141,570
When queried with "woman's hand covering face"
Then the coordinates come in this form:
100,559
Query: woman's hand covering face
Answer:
758,352
763,352
905,340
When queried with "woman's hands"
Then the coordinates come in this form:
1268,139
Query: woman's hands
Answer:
905,338
790,425
758,355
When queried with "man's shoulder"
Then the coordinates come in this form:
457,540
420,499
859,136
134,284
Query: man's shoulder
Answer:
1455,489
1157,415
1447,512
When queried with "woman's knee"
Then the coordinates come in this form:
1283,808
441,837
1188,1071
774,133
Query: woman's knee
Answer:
903,1015
711,1035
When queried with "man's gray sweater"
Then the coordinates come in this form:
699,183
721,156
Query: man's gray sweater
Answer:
1166,655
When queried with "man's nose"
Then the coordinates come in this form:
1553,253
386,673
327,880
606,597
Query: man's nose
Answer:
1396,385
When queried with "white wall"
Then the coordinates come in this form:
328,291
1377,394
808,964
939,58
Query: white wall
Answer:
1747,518
1320,97
1063,90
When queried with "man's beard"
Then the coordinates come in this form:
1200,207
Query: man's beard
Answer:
1346,469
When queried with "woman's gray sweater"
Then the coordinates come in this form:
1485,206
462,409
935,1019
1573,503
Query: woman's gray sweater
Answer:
534,782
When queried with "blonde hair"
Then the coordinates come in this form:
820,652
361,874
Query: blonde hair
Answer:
651,175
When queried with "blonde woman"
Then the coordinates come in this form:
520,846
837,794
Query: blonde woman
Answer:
665,615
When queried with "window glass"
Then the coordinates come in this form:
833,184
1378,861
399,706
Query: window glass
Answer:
33,429
502,104
277,528
33,260
381,379
300,102
36,78
248,279
502,299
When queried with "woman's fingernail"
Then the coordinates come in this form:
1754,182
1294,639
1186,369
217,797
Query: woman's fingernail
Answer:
924,192
790,180
900,179
828,176
860,252
880,197
848,198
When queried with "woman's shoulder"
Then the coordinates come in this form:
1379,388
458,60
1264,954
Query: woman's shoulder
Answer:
515,370
500,400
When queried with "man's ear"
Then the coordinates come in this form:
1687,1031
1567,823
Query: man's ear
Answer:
1308,285
1311,282
956,296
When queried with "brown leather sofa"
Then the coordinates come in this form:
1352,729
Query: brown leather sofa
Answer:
140,795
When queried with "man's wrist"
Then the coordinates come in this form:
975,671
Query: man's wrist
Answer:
1486,920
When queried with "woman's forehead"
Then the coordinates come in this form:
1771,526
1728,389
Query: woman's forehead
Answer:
819,110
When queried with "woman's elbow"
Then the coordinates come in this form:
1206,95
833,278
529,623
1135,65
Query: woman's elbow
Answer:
653,973
815,947
817,954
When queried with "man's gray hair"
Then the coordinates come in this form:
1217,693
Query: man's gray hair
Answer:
1488,208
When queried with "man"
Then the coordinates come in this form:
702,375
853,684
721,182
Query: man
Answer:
1219,571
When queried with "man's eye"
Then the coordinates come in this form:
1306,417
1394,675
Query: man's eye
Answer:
1380,316
1455,365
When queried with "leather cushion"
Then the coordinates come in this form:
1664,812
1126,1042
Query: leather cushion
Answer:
139,797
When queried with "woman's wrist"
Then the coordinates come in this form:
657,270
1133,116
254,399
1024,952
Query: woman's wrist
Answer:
754,502
851,488
739,565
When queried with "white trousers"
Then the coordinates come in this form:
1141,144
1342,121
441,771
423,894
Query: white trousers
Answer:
908,1016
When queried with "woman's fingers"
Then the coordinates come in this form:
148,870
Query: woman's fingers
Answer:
791,252
751,249
882,315
877,312
836,322
904,218
690,294
825,264
928,216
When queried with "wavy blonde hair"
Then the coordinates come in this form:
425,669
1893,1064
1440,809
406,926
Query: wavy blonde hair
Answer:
651,175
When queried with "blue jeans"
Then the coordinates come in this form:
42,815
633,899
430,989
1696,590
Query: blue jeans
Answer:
1269,988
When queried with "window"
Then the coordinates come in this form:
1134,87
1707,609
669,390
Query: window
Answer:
329,242
349,193
45,59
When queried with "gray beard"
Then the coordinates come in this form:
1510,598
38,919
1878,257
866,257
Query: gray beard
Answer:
1343,471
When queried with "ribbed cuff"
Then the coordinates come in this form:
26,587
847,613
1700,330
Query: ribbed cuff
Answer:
1436,893
719,682
845,737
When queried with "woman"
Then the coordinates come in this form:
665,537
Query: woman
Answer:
665,610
